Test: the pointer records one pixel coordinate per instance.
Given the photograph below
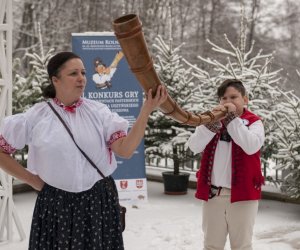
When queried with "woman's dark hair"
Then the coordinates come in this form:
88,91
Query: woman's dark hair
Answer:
53,68
238,85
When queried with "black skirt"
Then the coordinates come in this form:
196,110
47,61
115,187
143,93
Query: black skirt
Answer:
86,220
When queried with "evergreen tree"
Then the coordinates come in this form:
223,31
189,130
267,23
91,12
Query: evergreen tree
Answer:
287,136
27,90
254,70
164,139
279,110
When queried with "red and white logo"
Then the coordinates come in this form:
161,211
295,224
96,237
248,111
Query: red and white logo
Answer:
123,184
139,183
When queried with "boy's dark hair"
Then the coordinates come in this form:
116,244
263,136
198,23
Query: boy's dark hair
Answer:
238,85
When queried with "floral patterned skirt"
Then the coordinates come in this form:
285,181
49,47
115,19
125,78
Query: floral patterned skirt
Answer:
81,221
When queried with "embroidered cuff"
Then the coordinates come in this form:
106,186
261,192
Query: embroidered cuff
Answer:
229,118
8,149
115,136
214,126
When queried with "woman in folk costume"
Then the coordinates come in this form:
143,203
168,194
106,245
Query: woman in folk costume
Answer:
229,178
76,207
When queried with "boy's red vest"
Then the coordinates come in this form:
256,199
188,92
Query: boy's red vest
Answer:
246,169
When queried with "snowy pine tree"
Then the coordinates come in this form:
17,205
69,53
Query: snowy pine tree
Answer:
27,90
288,142
164,135
254,70
279,110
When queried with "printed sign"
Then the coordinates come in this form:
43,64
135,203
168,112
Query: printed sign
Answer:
110,81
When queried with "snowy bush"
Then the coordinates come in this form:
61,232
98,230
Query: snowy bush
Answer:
166,138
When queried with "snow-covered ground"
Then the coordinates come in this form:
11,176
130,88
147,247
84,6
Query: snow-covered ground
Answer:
174,223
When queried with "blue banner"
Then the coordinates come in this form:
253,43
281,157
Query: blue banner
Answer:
110,81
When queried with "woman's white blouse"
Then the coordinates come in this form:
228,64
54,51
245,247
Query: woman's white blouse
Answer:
52,153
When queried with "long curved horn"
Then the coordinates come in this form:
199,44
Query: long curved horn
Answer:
128,30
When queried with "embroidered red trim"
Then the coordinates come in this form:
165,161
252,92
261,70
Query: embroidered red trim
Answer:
71,108
8,149
115,136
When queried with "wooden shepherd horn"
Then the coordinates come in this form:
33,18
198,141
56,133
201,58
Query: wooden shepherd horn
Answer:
128,30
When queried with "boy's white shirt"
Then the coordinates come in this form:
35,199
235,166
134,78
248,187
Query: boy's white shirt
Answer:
250,139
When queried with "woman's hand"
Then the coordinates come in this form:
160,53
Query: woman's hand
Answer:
126,146
151,102
12,167
36,182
